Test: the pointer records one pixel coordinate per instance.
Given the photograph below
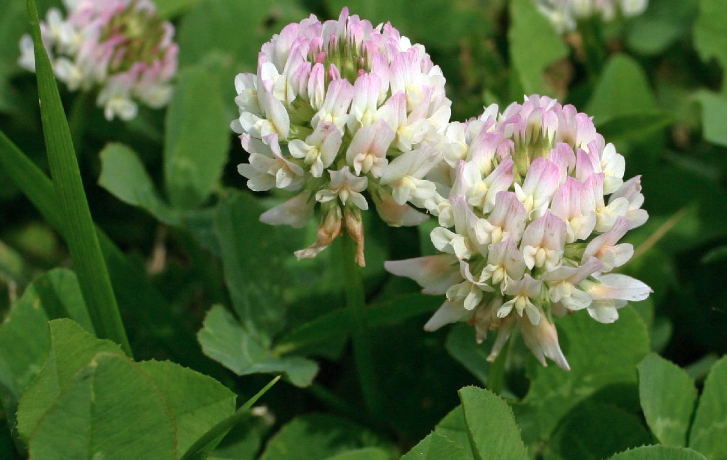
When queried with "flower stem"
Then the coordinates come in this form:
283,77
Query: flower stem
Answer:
496,374
594,48
356,303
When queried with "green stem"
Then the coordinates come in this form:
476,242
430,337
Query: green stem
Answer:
496,375
594,47
356,303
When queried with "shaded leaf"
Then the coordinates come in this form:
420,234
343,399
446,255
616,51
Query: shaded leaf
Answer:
225,340
627,127
336,324
594,432
317,437
463,347
710,35
125,177
663,23
667,396
714,112
252,256
622,90
197,139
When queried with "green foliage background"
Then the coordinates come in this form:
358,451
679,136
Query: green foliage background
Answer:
201,283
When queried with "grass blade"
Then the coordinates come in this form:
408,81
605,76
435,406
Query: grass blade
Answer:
201,449
80,232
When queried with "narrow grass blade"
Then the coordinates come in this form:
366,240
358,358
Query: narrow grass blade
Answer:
201,449
80,232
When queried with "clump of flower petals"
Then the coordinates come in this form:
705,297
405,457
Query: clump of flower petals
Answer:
565,14
531,227
337,109
119,48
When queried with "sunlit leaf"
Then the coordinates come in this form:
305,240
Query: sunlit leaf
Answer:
667,396
707,434
491,426
659,453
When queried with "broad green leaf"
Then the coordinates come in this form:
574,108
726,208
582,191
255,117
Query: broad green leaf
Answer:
367,453
463,347
440,24
663,23
125,177
451,428
71,348
714,112
81,235
197,139
708,430
609,377
198,402
622,90
135,292
207,443
454,427
110,410
667,396
530,27
336,324
24,337
225,340
252,256
24,344
317,437
595,432
441,448
659,453
491,426
710,35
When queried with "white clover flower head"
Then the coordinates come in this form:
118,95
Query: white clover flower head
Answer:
565,14
339,108
531,227
119,48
